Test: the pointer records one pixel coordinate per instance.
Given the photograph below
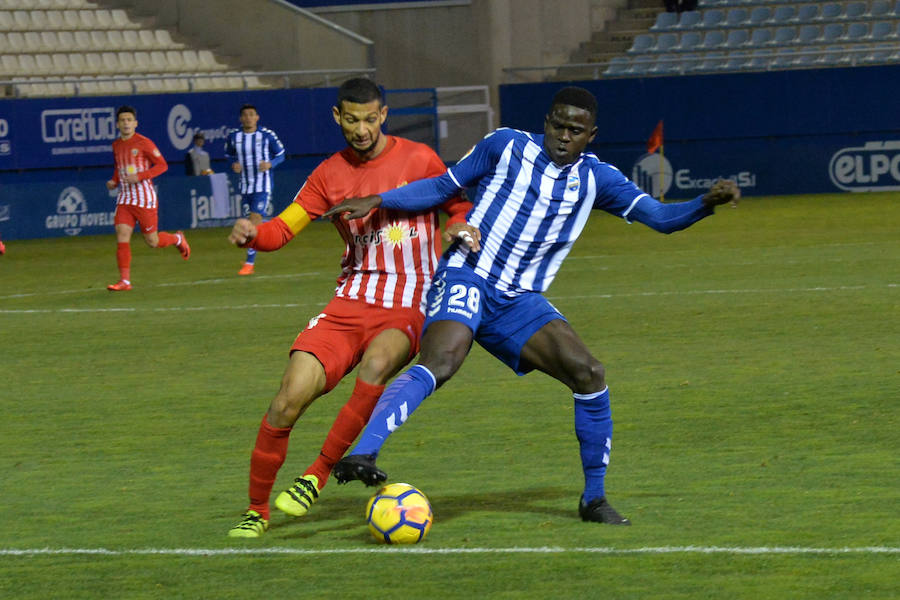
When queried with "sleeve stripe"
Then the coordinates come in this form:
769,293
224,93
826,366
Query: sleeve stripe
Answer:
453,177
633,203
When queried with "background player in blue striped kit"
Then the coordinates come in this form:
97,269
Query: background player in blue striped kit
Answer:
534,195
254,152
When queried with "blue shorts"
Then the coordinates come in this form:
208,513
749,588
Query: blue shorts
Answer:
500,324
257,202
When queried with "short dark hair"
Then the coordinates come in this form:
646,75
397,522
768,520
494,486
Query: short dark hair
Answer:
126,109
577,97
359,90
199,136
247,106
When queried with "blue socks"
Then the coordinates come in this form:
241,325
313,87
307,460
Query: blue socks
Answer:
593,426
251,256
397,402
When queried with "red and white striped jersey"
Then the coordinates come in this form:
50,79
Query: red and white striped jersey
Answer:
138,155
390,255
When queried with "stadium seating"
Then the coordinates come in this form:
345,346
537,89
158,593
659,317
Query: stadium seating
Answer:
765,35
53,47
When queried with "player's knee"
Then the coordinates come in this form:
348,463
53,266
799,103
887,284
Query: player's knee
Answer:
588,376
378,369
291,401
443,364
152,242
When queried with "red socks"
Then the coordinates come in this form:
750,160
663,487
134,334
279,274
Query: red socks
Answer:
268,456
351,419
123,258
166,239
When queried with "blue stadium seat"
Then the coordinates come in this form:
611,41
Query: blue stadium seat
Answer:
854,11
665,21
832,32
689,19
737,61
667,64
809,34
879,9
834,56
784,35
897,11
643,42
715,17
760,37
665,42
806,57
784,58
831,11
787,14
761,59
760,15
737,17
857,32
713,39
641,64
807,13
689,41
618,65
881,30
712,61
737,38
878,55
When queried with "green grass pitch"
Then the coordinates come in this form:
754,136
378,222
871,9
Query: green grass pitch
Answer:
753,364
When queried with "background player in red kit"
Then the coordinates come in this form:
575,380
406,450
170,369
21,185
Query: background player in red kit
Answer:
138,161
376,315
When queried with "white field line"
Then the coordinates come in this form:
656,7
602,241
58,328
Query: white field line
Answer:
760,550
26,311
160,285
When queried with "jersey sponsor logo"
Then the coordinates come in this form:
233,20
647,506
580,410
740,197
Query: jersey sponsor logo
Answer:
394,234
874,166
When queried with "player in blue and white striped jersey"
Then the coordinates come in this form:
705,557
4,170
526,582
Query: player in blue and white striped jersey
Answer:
534,195
254,152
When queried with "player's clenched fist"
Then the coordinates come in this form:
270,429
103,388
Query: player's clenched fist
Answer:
722,191
242,232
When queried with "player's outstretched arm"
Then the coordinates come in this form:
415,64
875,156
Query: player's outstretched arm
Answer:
242,233
353,208
721,192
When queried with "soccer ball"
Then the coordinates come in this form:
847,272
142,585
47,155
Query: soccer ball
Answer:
399,513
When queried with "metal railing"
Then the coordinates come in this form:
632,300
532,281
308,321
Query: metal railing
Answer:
316,78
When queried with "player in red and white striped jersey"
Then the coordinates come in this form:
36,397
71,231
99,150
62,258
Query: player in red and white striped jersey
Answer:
138,161
376,315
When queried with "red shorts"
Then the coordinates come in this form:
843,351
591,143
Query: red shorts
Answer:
126,214
339,336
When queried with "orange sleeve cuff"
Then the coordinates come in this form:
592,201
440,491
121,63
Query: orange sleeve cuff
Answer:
271,235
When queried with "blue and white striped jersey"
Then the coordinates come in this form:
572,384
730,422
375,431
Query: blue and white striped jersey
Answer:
530,211
249,149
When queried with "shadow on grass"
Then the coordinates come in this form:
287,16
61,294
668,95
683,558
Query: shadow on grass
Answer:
346,514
